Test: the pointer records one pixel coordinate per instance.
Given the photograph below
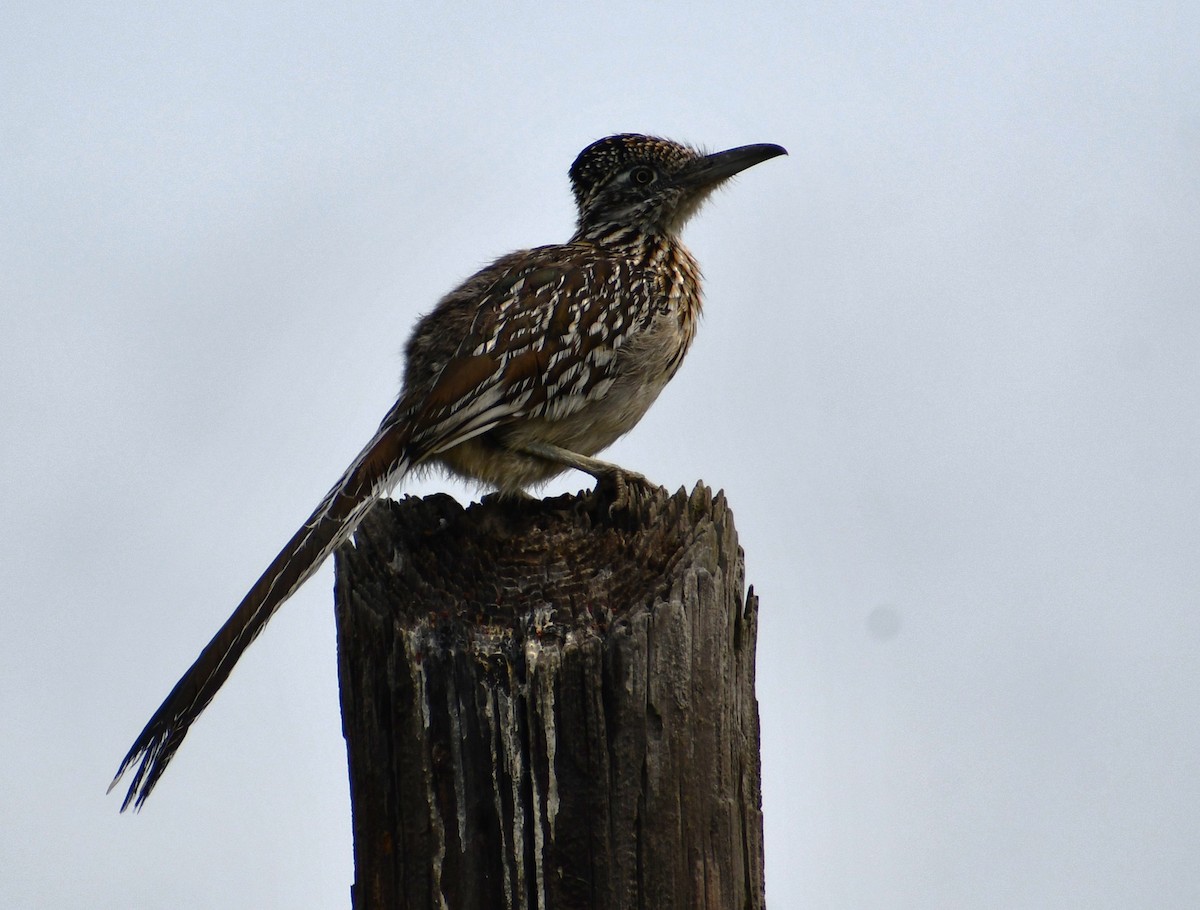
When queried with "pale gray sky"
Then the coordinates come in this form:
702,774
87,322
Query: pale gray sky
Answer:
948,377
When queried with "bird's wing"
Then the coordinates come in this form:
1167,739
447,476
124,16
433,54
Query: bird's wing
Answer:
544,339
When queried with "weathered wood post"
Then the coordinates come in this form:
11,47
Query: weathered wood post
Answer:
549,707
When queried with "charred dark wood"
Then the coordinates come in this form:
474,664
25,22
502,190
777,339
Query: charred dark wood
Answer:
548,707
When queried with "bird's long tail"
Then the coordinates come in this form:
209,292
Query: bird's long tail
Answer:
373,473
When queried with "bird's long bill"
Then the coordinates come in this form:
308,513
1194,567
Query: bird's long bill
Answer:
721,165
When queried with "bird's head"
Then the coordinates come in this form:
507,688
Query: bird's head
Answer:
650,184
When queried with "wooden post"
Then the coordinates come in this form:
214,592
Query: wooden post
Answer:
548,707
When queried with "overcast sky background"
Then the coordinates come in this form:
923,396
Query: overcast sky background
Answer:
948,377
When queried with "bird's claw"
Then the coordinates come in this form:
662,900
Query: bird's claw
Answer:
627,489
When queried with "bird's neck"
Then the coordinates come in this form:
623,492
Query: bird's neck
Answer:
630,239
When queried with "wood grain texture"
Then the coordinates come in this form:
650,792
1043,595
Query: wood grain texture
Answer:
547,707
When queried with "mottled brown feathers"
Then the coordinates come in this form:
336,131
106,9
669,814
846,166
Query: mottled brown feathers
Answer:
529,368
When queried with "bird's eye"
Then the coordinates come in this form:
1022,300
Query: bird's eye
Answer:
642,175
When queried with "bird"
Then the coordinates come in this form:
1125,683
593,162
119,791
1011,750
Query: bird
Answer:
527,369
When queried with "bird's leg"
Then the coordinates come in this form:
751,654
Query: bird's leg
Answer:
605,472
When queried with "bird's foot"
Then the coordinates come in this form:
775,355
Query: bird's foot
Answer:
625,490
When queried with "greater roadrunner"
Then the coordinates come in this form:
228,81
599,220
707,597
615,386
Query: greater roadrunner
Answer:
529,368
